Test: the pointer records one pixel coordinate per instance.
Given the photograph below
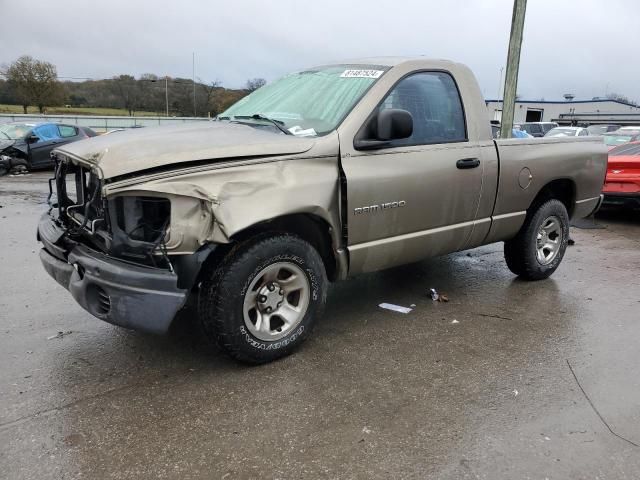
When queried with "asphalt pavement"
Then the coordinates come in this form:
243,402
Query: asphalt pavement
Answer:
507,380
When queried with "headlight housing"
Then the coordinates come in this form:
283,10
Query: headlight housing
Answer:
139,224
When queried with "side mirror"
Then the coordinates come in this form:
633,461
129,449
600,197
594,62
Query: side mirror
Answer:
33,139
394,124
390,124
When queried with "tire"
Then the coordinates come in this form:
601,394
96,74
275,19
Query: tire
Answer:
532,254
250,322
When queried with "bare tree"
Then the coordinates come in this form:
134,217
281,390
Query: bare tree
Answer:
34,82
207,97
620,98
126,88
254,84
151,93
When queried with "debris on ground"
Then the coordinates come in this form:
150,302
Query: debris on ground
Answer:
60,335
366,430
395,308
571,241
515,392
438,297
454,321
491,315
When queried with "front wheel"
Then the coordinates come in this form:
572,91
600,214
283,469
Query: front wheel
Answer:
536,252
262,301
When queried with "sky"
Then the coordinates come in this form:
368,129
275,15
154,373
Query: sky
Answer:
584,47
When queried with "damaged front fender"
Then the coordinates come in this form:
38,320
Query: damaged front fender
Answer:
214,204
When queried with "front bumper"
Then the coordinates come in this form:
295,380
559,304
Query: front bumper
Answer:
125,294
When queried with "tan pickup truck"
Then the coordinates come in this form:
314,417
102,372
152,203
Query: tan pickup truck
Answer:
326,173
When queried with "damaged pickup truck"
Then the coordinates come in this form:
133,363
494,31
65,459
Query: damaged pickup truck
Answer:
327,173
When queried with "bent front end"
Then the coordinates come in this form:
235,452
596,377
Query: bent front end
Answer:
112,254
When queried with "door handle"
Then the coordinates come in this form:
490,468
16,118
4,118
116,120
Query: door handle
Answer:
466,163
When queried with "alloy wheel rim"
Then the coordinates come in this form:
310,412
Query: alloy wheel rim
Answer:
548,240
276,301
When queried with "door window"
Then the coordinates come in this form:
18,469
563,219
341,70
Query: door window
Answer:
67,131
434,102
47,132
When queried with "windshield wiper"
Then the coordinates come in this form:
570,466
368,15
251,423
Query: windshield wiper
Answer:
279,124
6,135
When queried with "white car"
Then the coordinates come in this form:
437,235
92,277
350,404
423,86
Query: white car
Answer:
628,129
567,132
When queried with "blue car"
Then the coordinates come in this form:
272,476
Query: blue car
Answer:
515,133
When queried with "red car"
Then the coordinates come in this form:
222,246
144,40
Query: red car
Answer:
622,185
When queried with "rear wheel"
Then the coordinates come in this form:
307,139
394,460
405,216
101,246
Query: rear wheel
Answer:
263,300
536,252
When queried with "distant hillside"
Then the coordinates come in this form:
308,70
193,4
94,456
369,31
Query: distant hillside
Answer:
126,95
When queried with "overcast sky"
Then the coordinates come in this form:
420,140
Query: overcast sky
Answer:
585,47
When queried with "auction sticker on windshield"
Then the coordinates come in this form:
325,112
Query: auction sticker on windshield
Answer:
362,73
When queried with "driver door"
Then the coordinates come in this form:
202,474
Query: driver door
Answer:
416,197
48,138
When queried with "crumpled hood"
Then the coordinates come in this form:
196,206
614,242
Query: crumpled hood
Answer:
5,143
134,150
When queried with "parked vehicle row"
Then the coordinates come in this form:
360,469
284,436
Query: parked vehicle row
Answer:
602,129
567,132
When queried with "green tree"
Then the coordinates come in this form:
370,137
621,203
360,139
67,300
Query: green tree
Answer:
34,82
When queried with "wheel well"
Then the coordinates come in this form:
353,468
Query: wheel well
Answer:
310,228
561,189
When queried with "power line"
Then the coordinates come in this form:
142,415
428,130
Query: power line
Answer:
183,82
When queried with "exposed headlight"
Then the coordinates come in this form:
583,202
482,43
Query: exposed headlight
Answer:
143,219
139,225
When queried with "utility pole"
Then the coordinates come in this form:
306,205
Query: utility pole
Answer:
513,64
193,72
166,92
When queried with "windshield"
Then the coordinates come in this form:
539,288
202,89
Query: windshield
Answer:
626,150
308,103
532,128
15,131
561,132
616,139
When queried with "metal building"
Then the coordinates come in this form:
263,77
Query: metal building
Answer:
574,112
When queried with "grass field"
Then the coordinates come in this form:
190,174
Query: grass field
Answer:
76,111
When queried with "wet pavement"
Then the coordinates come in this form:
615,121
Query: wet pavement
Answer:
373,393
